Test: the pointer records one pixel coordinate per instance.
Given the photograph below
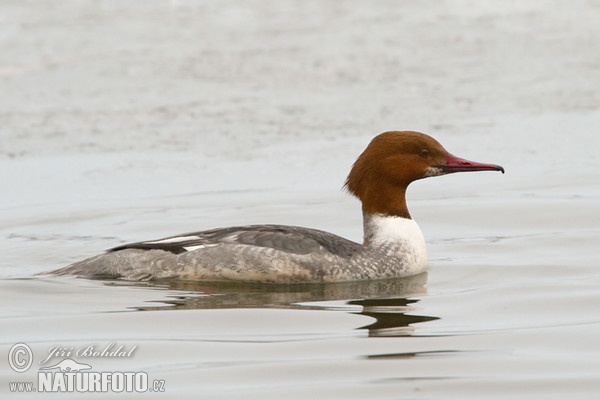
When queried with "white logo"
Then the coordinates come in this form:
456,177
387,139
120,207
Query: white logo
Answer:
68,365
20,357
68,375
73,380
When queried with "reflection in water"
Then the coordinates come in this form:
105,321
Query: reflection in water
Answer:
391,302
430,353
391,318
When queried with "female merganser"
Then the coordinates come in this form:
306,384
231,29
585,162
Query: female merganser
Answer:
393,243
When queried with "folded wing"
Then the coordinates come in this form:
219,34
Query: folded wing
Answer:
289,239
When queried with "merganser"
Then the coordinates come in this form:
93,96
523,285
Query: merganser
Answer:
393,243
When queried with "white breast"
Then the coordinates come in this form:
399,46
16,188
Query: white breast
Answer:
400,236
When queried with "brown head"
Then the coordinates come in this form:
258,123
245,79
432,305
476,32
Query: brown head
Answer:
393,160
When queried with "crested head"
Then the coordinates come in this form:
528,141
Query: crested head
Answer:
393,160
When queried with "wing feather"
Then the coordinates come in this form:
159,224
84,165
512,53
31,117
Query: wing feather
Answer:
288,239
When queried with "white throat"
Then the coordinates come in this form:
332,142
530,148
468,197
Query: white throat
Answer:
386,229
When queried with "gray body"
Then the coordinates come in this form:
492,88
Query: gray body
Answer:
261,253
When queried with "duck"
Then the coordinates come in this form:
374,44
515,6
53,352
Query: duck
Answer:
393,245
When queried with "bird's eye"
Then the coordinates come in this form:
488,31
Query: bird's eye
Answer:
424,153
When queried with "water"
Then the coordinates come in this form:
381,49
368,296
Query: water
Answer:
130,123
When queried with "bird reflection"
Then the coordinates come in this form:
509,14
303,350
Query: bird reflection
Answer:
391,302
391,316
